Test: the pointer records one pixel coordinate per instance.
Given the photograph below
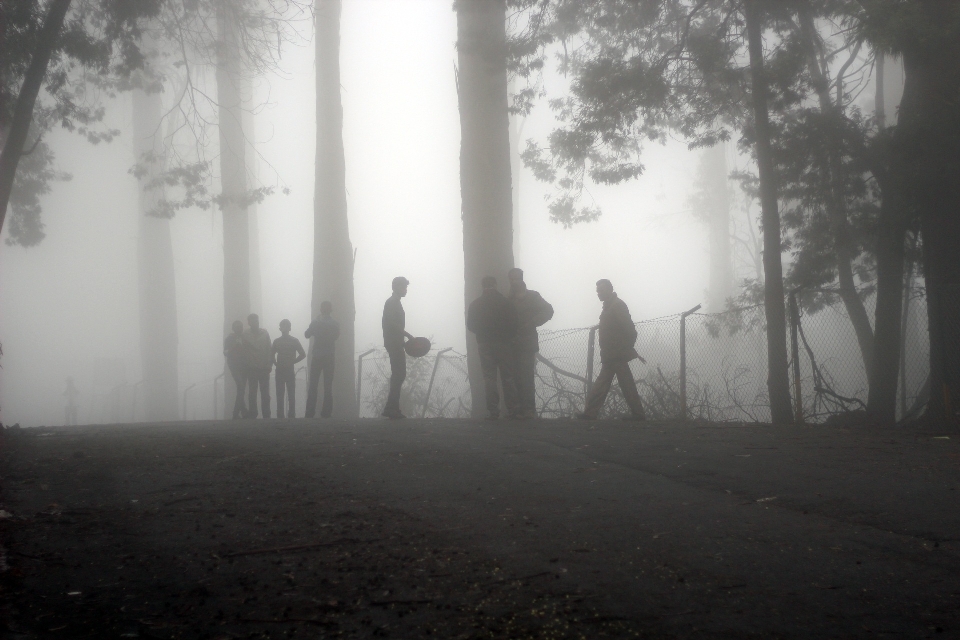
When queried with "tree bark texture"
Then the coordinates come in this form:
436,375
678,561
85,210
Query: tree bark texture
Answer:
157,284
233,182
27,99
485,180
332,249
778,384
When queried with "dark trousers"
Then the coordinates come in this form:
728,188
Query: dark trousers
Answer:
240,379
398,373
498,357
324,365
601,387
286,381
525,362
258,378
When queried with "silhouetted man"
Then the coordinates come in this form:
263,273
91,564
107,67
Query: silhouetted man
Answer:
493,319
70,411
237,357
532,311
324,330
286,352
617,335
259,364
394,332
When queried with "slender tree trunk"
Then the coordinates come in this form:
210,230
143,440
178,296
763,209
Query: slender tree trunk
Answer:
777,381
485,188
27,99
157,284
332,249
716,184
233,182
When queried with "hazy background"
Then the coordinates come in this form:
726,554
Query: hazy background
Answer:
73,299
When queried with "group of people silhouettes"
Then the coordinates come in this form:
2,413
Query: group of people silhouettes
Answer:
508,342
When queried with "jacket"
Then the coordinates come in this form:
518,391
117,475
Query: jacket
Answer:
325,331
394,323
532,312
617,333
259,349
492,317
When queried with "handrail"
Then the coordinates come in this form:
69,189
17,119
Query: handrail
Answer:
185,399
359,376
436,364
215,396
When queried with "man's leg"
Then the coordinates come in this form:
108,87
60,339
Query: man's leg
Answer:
488,364
525,375
280,381
264,377
628,385
313,382
253,385
292,394
505,363
599,390
239,409
398,372
328,369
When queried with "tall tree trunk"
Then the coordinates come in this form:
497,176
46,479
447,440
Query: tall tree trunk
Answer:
253,218
716,185
332,250
27,99
233,182
516,132
485,188
778,384
832,171
157,284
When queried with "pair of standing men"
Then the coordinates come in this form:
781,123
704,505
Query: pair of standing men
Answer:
508,342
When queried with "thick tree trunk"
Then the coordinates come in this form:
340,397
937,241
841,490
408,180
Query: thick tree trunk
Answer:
233,183
516,142
777,381
485,181
27,99
716,184
251,161
157,284
332,250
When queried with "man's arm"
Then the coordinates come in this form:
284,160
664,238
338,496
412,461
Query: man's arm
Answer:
273,354
301,354
309,332
544,312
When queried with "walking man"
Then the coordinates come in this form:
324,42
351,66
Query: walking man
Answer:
394,332
286,352
493,319
236,352
259,363
324,330
532,311
617,337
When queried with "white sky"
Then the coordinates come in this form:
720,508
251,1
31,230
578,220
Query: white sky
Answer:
74,297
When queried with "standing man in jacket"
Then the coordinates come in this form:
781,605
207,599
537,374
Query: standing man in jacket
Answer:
617,337
237,359
324,330
394,334
494,319
532,311
259,364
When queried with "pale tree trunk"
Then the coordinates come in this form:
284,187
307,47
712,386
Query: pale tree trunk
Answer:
233,183
332,250
516,141
157,285
485,188
778,384
253,218
717,188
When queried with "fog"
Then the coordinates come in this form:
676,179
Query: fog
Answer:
71,302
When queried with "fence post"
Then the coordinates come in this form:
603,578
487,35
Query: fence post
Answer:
795,352
683,361
360,374
215,381
185,391
436,364
591,349
133,409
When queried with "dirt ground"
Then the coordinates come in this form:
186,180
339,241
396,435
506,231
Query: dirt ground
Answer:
465,529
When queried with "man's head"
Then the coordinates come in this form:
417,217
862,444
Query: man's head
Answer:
400,286
284,326
326,308
254,321
515,275
237,326
604,289
488,282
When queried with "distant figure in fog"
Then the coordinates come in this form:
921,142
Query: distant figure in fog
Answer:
617,335
394,332
286,352
494,319
325,331
70,411
532,311
236,352
259,363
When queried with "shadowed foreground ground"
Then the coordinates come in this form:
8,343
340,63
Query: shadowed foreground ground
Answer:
479,530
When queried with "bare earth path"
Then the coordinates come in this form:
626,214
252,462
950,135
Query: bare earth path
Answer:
439,528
